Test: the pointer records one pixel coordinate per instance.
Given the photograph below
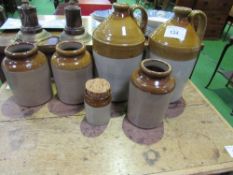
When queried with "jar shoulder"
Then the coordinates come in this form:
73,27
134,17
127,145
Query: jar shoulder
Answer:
24,64
152,85
71,63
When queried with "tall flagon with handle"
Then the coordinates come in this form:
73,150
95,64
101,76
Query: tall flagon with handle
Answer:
118,45
178,43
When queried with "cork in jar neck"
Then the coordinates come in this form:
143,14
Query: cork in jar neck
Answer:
70,48
98,88
20,50
155,68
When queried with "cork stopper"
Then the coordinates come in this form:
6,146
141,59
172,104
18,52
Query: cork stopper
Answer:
98,88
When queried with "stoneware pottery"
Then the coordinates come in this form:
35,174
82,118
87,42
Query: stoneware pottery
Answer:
72,67
97,101
74,30
150,90
178,43
31,30
118,44
27,72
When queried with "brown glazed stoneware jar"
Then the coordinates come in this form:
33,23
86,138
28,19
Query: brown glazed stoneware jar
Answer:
72,67
178,43
150,90
118,45
27,72
97,100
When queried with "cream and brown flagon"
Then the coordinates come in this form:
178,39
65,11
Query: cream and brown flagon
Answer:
72,67
178,43
118,44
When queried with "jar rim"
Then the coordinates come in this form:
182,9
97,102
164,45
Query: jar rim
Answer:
182,10
20,50
120,6
70,48
155,68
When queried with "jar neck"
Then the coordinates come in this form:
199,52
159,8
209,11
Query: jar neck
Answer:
155,68
121,10
21,50
183,19
70,48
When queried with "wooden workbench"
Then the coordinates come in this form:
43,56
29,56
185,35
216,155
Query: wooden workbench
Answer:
55,139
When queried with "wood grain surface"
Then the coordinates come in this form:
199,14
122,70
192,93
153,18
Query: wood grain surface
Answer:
55,139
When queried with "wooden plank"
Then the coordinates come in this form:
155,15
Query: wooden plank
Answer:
191,143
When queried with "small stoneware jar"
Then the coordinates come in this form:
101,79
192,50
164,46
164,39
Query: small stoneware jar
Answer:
72,67
149,94
27,72
97,101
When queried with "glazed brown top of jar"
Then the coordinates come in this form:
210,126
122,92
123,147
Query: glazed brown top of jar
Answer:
97,92
21,57
154,76
178,48
71,55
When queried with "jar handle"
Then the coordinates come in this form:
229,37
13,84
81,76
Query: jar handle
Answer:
202,22
144,19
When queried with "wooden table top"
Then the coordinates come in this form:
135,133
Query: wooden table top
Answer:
55,139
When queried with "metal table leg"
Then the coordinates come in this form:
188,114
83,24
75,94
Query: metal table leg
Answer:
220,60
202,47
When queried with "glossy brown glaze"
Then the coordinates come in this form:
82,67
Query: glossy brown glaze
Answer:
21,57
173,48
153,76
119,36
71,55
97,92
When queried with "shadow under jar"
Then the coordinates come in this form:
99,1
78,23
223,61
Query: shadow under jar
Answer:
150,90
72,67
27,72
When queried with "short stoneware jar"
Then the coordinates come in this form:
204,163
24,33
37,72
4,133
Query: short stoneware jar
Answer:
27,72
149,94
97,101
72,67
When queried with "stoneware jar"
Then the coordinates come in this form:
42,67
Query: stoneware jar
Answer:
72,67
97,101
118,45
178,43
150,90
27,72
74,29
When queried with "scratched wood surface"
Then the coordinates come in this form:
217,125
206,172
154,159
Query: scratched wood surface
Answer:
55,139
